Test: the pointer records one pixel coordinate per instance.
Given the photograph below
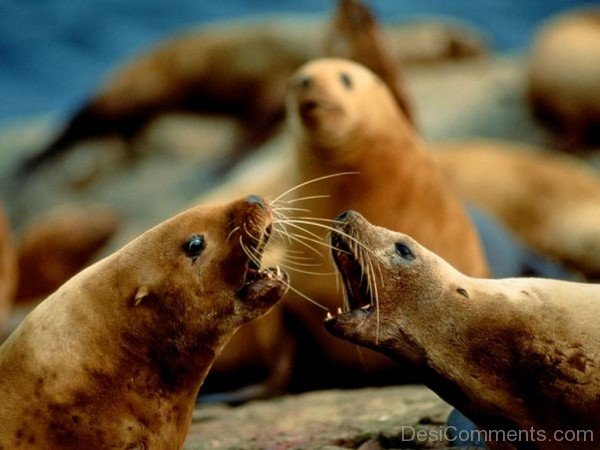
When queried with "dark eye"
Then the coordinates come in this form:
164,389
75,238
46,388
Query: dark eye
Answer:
404,251
346,80
194,246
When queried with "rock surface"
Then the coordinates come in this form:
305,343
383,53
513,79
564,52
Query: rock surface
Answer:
374,418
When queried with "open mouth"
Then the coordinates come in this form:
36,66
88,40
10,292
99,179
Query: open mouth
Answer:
356,281
256,248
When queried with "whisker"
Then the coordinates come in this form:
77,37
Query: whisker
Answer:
330,229
310,233
306,297
310,197
314,180
231,233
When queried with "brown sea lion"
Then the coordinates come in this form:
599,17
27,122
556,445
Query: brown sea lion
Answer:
241,69
551,201
518,355
115,357
58,244
564,76
8,269
343,119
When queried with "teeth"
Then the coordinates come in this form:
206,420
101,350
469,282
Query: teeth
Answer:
277,271
328,316
339,311
365,307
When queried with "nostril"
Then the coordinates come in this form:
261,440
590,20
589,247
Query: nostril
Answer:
343,216
305,82
256,200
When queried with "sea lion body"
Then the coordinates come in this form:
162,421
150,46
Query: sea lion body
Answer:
549,200
343,119
511,354
238,68
564,75
116,356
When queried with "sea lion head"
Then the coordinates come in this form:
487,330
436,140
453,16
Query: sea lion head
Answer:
331,102
390,281
198,275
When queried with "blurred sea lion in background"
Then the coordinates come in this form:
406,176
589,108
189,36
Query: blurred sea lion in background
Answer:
550,200
8,269
564,76
344,119
116,356
238,69
60,243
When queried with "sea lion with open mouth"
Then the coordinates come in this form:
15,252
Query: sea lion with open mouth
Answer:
511,354
116,356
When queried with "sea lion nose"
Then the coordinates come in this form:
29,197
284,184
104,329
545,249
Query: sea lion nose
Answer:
345,216
256,200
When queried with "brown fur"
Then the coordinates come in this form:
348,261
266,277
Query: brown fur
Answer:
8,269
564,76
57,245
511,354
115,357
360,128
549,200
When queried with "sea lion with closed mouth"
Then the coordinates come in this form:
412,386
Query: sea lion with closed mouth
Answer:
343,119
512,354
116,356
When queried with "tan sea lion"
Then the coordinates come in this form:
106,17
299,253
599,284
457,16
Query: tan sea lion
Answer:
237,68
8,269
512,354
564,76
58,244
343,119
115,358
550,200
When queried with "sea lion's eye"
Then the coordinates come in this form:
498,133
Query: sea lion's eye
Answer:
194,246
346,80
404,251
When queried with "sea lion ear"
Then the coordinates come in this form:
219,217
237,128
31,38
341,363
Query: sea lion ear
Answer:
142,294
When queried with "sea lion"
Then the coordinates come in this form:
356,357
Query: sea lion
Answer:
512,354
58,244
343,119
564,76
116,356
549,200
8,269
236,68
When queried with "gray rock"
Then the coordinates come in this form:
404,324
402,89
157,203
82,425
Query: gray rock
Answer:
369,419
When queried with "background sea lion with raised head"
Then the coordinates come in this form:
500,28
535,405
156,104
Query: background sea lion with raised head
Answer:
116,356
343,119
512,354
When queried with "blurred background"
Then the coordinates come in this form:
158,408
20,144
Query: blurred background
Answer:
54,53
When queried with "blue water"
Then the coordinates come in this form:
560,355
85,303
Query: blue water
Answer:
53,53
